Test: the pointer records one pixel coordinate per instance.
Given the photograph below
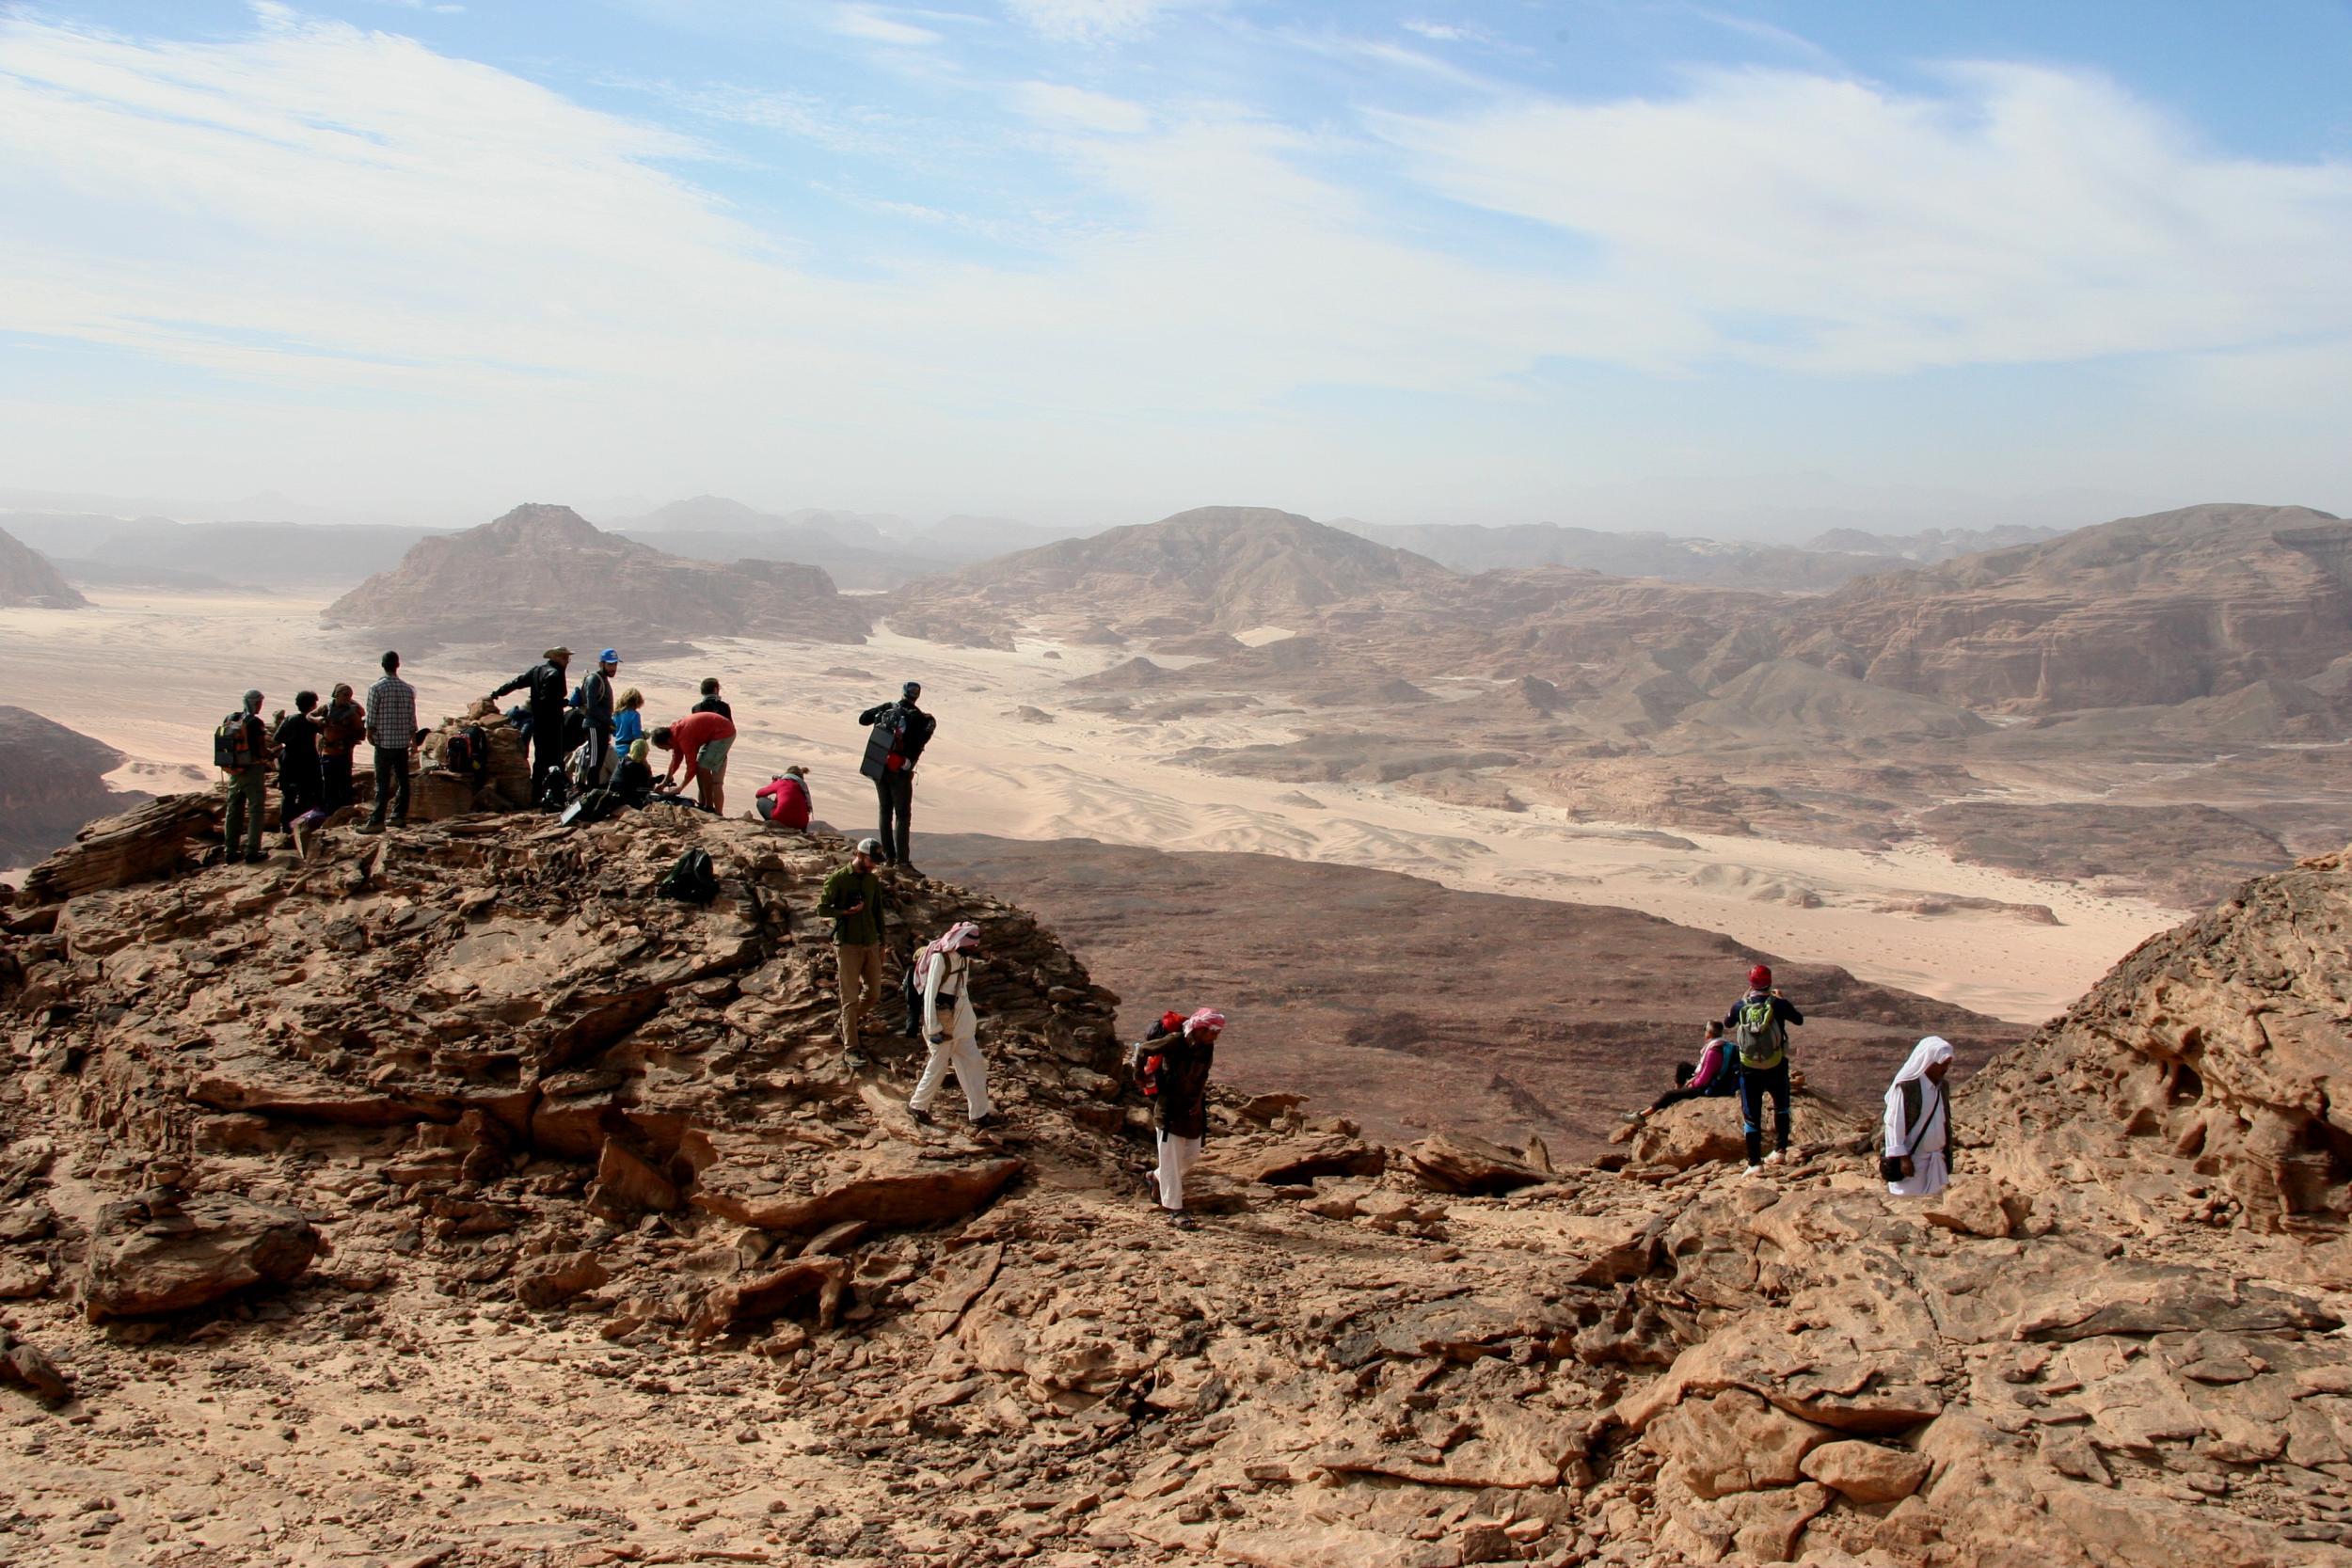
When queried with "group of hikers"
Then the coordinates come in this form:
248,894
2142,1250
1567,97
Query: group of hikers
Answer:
587,740
1746,1058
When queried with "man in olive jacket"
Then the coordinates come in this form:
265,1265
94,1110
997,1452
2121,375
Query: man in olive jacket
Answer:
853,899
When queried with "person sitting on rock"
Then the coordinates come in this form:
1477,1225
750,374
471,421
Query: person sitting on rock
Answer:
633,779
1716,1075
1918,1126
700,740
783,800
1758,1027
628,720
854,901
945,971
1173,1064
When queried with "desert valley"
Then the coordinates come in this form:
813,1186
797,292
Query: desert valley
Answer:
318,1172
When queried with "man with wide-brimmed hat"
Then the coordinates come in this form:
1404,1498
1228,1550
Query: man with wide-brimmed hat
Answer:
548,685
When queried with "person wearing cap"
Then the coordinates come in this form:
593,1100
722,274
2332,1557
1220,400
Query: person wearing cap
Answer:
945,971
596,705
853,899
548,686
702,741
1758,1027
248,781
1173,1061
900,731
785,800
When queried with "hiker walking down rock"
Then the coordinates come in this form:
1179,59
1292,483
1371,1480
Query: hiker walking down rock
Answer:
1758,1027
702,741
854,901
1172,1065
898,733
393,731
783,800
342,726
546,684
944,968
301,784
596,705
1918,1158
241,750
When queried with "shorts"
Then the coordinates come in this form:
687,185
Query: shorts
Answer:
712,759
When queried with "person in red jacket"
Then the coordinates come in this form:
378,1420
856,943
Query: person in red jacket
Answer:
700,740
785,801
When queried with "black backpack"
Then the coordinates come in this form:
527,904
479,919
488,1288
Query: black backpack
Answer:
692,880
468,751
232,743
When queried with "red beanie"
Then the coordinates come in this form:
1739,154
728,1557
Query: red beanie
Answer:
1760,977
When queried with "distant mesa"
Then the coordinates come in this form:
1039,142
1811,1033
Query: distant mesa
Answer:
29,580
549,568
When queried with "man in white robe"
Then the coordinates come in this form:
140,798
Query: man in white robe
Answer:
946,973
1919,1121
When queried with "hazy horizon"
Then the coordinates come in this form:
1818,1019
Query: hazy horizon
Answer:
1745,271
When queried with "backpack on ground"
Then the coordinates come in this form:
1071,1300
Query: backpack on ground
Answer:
467,752
232,743
692,880
1758,1033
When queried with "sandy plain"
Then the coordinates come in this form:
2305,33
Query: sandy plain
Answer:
151,672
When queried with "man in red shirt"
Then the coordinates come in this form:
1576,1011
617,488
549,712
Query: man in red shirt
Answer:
700,740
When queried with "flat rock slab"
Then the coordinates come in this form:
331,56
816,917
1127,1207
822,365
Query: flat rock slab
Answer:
216,1245
891,1186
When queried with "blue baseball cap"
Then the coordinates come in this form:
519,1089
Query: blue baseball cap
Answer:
610,656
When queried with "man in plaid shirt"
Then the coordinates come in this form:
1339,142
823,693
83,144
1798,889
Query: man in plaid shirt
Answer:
391,730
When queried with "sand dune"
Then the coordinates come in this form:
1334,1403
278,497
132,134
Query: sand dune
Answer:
150,672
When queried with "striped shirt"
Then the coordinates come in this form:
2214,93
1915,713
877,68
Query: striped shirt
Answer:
391,714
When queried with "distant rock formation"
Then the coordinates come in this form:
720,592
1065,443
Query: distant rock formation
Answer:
1721,564
51,780
544,574
2157,609
27,578
1226,568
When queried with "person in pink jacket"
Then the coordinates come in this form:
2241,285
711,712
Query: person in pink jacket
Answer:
783,800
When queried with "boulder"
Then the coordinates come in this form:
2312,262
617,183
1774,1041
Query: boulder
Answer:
824,1280
1456,1163
557,1277
213,1247
1733,1442
30,1368
1293,1162
891,1185
1867,1473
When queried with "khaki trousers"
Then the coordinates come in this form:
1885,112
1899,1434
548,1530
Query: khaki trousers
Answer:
861,970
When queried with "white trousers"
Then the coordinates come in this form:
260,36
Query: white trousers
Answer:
961,1051
1929,1176
1177,1156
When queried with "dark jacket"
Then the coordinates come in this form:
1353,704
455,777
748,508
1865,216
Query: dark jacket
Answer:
713,705
546,682
633,782
898,729
848,886
297,743
1180,1109
596,700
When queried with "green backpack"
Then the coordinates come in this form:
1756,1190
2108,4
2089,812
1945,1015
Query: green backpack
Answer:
1759,1034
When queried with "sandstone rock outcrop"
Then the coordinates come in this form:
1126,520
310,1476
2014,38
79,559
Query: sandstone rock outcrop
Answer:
27,578
157,1257
2117,1339
590,588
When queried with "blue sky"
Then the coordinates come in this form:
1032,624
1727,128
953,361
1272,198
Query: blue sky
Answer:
1604,261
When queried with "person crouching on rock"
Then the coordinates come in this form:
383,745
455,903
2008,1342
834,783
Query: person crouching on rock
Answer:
633,779
1173,1063
1917,1159
702,741
945,971
854,901
783,800
1758,1027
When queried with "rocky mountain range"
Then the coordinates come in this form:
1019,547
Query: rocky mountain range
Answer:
108,551
583,585
27,578
449,1196
1931,544
1476,547
861,550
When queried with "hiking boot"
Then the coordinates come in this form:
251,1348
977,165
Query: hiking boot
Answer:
371,827
922,1118
855,1061
992,1118
908,867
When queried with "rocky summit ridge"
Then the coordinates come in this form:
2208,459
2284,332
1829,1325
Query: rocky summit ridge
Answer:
589,586
450,1198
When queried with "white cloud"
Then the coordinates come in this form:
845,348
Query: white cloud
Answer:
1830,225
1089,21
1446,31
1056,104
864,22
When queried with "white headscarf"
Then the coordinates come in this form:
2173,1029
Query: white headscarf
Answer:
1924,1056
